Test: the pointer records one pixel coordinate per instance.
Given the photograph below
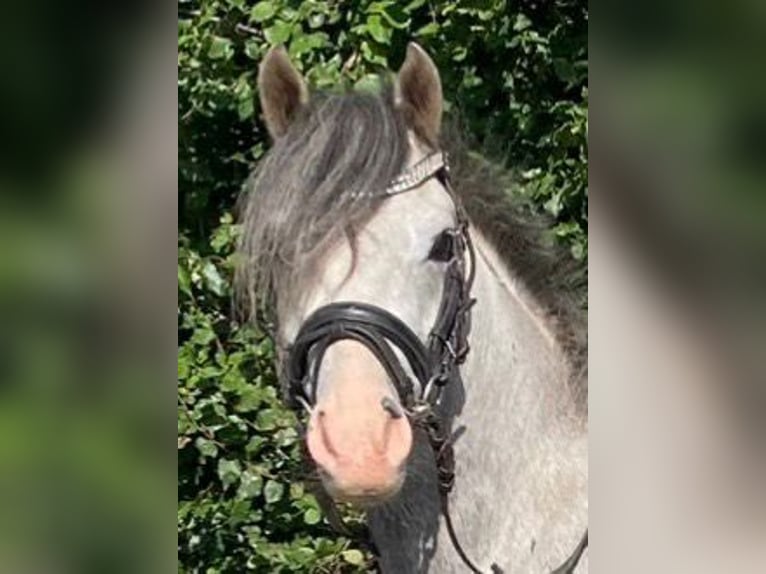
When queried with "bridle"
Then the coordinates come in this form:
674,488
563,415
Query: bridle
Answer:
433,363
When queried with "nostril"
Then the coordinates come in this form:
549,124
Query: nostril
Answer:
392,407
324,434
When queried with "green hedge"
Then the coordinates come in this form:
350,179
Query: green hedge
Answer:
515,73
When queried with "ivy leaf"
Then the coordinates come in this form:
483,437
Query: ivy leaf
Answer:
220,48
368,83
250,485
312,516
228,471
273,491
297,490
376,29
262,11
249,400
222,237
213,279
522,22
414,5
307,43
286,437
206,447
253,50
316,20
430,29
184,281
255,444
353,556
245,108
278,33
267,420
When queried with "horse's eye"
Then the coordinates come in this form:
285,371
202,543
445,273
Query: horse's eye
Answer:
442,250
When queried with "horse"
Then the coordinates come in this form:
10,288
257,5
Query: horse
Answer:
424,327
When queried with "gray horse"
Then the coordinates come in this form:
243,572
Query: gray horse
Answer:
319,229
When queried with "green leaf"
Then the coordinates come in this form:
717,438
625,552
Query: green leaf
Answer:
394,15
312,516
232,381
522,22
206,447
222,236
228,471
376,29
183,366
253,50
245,108
370,55
249,399
184,281
262,11
430,29
267,420
220,48
213,278
297,490
203,335
273,491
308,43
316,20
368,83
250,485
278,33
286,437
353,556
255,444
300,45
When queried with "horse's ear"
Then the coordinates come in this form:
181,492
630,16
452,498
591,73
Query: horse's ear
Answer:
419,93
281,89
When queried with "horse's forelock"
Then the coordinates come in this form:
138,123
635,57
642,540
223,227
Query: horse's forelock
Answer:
310,189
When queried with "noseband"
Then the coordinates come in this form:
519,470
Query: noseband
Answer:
432,364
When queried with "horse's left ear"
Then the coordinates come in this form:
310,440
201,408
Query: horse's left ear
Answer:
419,93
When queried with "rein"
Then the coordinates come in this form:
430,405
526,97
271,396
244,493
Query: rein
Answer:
433,364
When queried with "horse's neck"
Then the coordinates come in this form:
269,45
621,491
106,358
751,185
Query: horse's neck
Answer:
516,362
520,497
521,457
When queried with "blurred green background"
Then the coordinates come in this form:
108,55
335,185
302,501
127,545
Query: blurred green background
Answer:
514,74
88,110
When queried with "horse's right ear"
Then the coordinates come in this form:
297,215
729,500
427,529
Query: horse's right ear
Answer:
419,93
282,91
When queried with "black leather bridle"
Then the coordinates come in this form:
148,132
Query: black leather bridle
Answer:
433,363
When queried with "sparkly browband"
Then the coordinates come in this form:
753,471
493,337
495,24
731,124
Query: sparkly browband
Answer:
417,174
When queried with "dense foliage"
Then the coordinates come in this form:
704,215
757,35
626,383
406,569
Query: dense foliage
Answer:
517,73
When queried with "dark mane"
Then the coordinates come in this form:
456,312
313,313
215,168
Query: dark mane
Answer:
555,280
308,191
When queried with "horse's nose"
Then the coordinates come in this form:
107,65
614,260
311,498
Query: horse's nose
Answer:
361,444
